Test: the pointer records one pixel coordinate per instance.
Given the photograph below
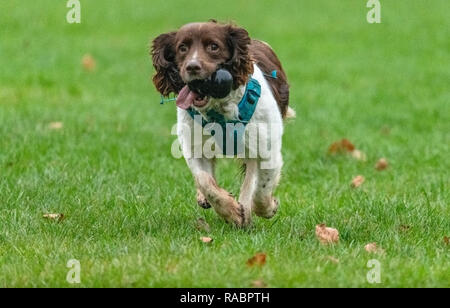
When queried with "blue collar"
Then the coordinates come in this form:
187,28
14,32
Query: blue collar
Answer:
246,107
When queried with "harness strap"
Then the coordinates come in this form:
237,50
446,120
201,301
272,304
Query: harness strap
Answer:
246,106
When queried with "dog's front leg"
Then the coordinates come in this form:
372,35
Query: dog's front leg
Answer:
222,201
264,203
206,165
248,186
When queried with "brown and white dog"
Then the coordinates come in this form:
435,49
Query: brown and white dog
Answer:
196,51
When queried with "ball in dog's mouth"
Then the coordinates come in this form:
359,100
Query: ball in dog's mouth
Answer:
197,92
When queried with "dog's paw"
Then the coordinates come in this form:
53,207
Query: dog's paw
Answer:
237,215
202,201
204,204
266,209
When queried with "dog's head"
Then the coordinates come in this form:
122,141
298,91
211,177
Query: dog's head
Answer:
196,51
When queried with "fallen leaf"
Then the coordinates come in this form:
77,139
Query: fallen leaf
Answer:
259,284
381,164
57,217
333,259
257,260
206,239
172,267
404,228
88,63
342,146
446,240
358,181
202,225
385,130
373,248
358,155
327,235
55,125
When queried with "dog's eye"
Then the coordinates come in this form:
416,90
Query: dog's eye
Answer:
183,48
213,47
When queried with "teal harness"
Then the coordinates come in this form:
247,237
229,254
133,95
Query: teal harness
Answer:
233,132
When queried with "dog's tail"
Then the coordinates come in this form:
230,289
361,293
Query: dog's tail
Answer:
290,113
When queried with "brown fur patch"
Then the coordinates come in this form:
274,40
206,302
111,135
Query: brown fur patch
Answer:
267,61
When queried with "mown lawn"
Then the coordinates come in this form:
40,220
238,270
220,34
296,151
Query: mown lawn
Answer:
130,206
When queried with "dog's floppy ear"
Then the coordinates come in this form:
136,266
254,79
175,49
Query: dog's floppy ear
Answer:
241,63
167,78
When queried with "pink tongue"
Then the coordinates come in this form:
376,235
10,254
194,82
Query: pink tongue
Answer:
185,98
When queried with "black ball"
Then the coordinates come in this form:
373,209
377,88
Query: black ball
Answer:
219,85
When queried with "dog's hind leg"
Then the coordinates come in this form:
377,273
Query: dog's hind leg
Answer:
264,204
222,201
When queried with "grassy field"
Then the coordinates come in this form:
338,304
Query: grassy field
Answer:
130,206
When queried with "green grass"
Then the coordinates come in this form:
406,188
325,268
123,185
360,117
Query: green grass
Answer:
130,206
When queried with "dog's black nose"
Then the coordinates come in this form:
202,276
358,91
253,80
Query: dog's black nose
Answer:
193,67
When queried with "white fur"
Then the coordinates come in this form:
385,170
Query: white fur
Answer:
259,183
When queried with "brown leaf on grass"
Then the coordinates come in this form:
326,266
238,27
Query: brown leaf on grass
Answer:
385,130
206,239
358,181
342,146
333,259
258,259
381,164
88,62
358,155
327,235
373,248
172,267
446,240
404,228
259,283
202,225
55,125
347,145
55,217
